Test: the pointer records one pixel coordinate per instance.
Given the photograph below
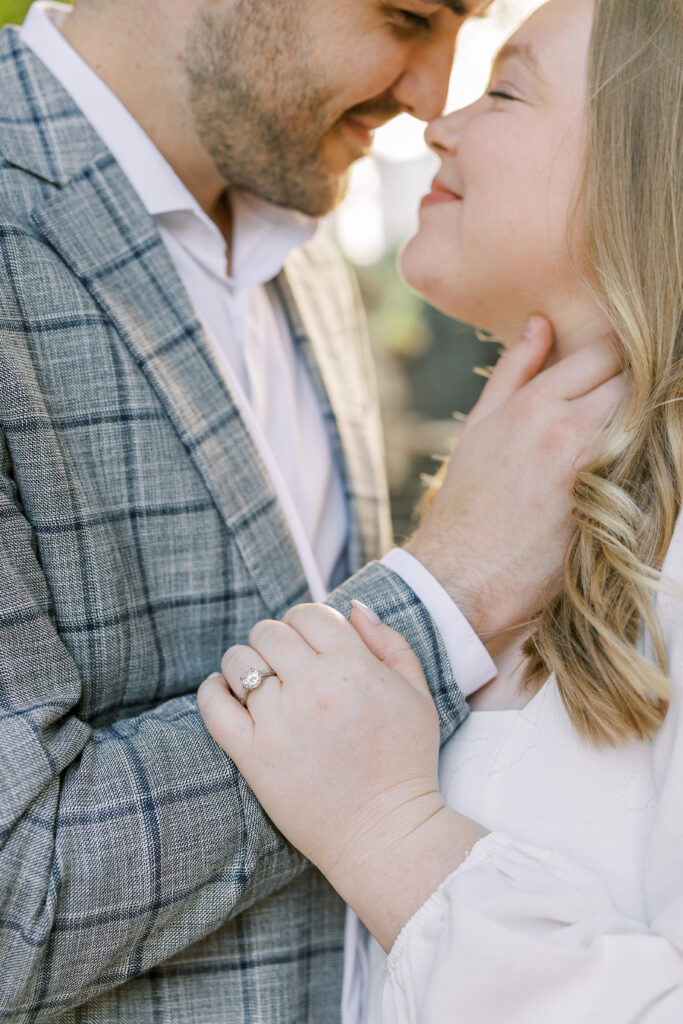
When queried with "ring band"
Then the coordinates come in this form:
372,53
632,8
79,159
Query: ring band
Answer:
252,678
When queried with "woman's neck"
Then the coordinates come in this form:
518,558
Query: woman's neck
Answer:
503,692
579,324
575,326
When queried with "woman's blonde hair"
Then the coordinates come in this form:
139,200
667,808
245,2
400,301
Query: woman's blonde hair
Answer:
627,500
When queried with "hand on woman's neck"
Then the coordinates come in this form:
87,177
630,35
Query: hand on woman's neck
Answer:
577,325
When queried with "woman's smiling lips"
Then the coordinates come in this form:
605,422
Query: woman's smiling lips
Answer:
440,194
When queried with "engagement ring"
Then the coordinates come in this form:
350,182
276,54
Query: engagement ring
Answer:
252,678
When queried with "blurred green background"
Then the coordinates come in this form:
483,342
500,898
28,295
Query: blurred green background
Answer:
13,11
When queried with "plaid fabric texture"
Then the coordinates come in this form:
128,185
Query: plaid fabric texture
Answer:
139,537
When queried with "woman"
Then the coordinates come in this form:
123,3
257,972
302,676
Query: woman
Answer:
536,872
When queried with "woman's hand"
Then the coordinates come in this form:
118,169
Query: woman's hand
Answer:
339,745
341,749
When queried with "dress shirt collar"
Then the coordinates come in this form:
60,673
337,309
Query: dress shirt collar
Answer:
263,234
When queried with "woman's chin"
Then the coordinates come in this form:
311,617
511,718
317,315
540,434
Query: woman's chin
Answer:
422,277
412,266
430,282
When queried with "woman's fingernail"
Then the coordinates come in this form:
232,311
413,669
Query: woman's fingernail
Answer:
215,675
367,612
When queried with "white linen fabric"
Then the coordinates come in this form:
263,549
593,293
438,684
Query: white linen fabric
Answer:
250,337
571,909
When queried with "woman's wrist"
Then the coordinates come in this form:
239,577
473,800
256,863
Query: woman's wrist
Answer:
401,864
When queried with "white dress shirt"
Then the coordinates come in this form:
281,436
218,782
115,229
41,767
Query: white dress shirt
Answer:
571,910
249,335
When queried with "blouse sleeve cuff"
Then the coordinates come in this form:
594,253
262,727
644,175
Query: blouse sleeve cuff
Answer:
496,849
485,850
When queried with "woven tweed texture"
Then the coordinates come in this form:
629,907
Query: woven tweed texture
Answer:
140,882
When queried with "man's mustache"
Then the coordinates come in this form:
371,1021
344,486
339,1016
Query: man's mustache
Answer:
382,108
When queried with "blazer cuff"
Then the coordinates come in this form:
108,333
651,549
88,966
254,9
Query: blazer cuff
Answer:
399,607
471,663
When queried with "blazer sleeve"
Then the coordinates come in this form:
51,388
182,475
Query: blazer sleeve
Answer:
119,845
398,606
124,843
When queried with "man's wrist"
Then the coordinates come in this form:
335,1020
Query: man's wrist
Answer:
458,584
470,662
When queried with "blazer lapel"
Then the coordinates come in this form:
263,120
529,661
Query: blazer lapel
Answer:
323,330
101,229
97,223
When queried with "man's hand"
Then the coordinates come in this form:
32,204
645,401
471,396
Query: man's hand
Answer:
496,534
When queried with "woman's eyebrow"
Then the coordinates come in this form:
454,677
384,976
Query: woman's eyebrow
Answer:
524,53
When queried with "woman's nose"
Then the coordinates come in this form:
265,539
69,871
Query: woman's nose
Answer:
443,134
440,136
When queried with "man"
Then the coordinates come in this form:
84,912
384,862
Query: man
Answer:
190,444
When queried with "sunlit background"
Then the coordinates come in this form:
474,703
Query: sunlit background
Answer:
381,210
425,362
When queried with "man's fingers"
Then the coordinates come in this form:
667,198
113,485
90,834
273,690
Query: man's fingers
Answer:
228,722
596,410
515,368
582,371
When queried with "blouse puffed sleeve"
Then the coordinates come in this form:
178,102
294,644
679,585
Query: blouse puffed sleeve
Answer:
521,935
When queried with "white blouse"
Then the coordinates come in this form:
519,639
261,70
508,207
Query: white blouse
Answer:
571,910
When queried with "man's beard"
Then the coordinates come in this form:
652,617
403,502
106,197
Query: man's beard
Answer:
261,106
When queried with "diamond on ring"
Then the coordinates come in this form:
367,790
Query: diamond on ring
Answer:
252,678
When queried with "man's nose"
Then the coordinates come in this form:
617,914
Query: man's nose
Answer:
422,89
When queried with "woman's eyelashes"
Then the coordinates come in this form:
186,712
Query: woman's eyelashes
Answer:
501,94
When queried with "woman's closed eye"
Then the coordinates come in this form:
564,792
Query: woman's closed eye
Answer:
501,93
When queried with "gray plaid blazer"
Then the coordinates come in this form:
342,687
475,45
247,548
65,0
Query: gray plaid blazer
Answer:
139,537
